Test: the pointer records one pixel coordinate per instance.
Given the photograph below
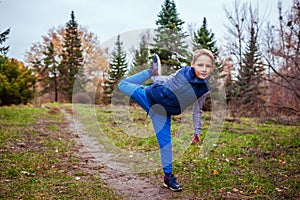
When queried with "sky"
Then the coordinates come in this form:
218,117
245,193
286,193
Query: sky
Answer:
29,20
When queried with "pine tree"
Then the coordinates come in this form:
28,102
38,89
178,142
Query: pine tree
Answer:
3,38
169,38
118,68
248,85
51,80
203,38
72,59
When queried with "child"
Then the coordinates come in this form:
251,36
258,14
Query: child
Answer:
169,96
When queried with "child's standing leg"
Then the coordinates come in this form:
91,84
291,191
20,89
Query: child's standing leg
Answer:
162,127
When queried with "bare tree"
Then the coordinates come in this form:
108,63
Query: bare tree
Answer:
245,92
282,54
236,28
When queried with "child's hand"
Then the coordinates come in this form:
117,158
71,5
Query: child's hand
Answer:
196,139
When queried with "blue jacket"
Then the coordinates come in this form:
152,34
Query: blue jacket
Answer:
178,92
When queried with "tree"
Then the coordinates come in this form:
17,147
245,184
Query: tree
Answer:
16,82
282,54
117,69
94,61
51,81
203,38
94,58
250,75
246,92
169,38
3,38
3,49
141,55
72,58
237,19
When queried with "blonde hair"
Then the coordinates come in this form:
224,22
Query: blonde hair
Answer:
201,52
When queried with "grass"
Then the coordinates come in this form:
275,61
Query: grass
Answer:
38,161
263,164
252,159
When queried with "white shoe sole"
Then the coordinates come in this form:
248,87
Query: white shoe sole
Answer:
158,65
174,190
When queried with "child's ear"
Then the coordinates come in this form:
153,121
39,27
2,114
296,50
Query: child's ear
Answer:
192,64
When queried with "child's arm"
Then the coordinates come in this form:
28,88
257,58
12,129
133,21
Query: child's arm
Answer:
197,113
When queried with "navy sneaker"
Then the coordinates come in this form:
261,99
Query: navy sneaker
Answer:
155,66
172,184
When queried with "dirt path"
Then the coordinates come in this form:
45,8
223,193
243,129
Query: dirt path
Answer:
129,185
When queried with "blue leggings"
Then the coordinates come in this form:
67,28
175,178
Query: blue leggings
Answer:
132,87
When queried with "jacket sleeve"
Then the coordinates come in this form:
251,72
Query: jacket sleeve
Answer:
197,113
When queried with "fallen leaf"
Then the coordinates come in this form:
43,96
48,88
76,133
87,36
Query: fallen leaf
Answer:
215,172
282,162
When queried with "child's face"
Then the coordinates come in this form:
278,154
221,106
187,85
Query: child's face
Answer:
203,66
